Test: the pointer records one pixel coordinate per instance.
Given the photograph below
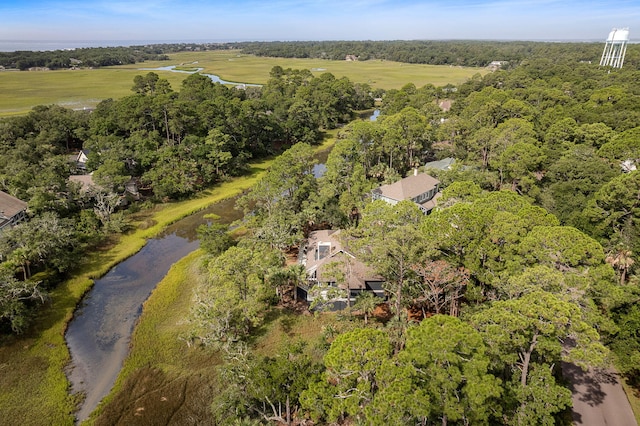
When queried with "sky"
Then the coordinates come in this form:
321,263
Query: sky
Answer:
253,20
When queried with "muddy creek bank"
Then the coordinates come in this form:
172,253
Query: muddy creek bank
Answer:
98,335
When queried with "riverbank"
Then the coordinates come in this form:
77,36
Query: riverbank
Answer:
169,369
34,387
165,381
162,377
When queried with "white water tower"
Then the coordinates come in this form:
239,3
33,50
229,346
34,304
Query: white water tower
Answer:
615,48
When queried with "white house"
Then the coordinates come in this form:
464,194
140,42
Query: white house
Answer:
81,159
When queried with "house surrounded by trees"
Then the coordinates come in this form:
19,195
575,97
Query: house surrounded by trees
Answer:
12,210
420,188
444,164
328,262
81,160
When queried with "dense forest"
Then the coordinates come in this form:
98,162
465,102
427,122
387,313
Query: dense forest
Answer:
528,259
171,144
86,57
452,52
459,53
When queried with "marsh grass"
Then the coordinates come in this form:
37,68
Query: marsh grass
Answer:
161,359
236,66
77,89
85,88
34,386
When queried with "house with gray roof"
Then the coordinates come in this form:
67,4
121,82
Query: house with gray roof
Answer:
420,188
325,256
12,211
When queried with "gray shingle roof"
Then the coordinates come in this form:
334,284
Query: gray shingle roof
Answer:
11,206
444,164
409,187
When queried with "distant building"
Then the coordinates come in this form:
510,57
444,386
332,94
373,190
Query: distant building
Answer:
80,159
87,185
85,182
628,166
351,58
496,65
420,188
12,211
445,104
444,164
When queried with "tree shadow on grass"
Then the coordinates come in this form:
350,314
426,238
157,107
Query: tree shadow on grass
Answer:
287,323
278,320
262,330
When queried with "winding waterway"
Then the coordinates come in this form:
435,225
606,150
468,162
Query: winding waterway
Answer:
213,77
98,335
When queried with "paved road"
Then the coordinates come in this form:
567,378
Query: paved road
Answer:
598,398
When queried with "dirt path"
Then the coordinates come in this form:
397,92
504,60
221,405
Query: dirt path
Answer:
598,398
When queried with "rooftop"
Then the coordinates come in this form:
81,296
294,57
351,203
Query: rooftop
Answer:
409,187
9,207
330,249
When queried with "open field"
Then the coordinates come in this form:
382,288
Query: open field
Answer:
77,89
84,88
235,66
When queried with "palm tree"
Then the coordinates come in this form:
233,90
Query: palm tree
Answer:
279,279
366,302
297,276
621,260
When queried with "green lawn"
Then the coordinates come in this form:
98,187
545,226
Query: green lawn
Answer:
84,88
